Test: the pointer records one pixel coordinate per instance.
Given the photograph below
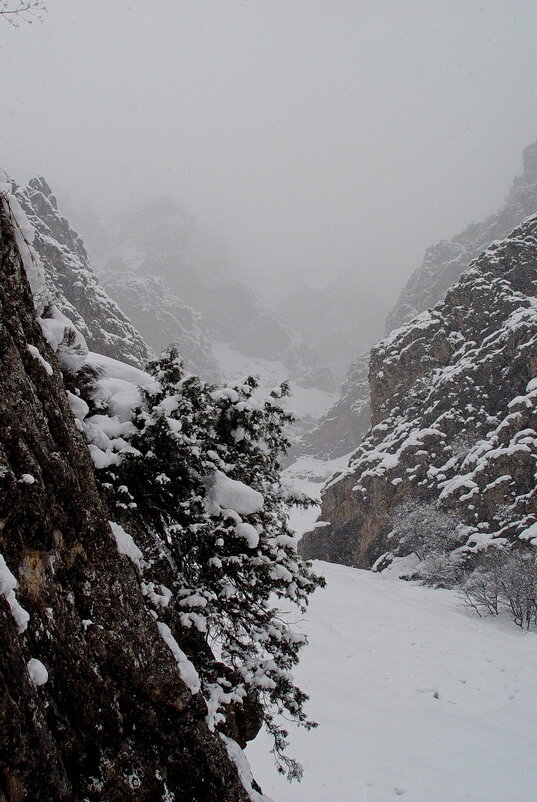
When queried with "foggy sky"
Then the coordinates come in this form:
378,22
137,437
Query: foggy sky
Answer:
315,135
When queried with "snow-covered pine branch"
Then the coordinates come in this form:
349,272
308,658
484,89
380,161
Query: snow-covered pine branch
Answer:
201,471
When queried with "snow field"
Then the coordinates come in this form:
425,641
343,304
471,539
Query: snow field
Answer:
416,698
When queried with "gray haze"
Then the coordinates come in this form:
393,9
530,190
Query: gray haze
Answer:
316,136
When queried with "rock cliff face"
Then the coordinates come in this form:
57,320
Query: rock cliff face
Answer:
74,286
345,424
453,416
162,318
444,262
343,427
92,703
171,278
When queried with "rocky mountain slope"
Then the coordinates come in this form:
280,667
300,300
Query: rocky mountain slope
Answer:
453,397
162,318
346,422
170,275
443,263
94,701
342,428
74,286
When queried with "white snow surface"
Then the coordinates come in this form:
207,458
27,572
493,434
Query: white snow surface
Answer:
8,585
43,362
307,475
186,669
304,401
37,671
236,754
230,494
416,697
126,545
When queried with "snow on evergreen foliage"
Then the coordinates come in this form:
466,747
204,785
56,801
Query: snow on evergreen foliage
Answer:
199,468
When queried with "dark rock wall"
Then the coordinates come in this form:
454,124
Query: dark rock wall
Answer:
114,720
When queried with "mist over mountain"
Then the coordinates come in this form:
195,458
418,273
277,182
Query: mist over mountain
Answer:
237,378
344,425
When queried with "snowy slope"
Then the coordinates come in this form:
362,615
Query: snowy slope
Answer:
416,698
305,402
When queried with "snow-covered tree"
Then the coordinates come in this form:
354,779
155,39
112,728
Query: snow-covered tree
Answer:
202,469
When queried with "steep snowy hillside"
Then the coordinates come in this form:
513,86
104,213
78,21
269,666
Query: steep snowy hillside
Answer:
454,420
416,699
344,426
162,318
75,288
444,262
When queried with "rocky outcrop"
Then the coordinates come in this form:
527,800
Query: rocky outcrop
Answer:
162,239
163,318
74,286
344,425
444,262
453,416
171,278
92,702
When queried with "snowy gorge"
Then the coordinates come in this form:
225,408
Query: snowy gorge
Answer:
151,548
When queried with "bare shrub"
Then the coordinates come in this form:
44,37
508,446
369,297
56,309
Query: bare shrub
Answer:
422,528
504,580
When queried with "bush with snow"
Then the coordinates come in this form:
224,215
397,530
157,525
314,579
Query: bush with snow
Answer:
200,470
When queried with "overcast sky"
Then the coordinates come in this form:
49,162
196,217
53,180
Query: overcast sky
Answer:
317,135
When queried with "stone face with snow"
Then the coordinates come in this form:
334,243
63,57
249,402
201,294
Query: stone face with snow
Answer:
453,415
84,669
162,317
343,427
72,282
